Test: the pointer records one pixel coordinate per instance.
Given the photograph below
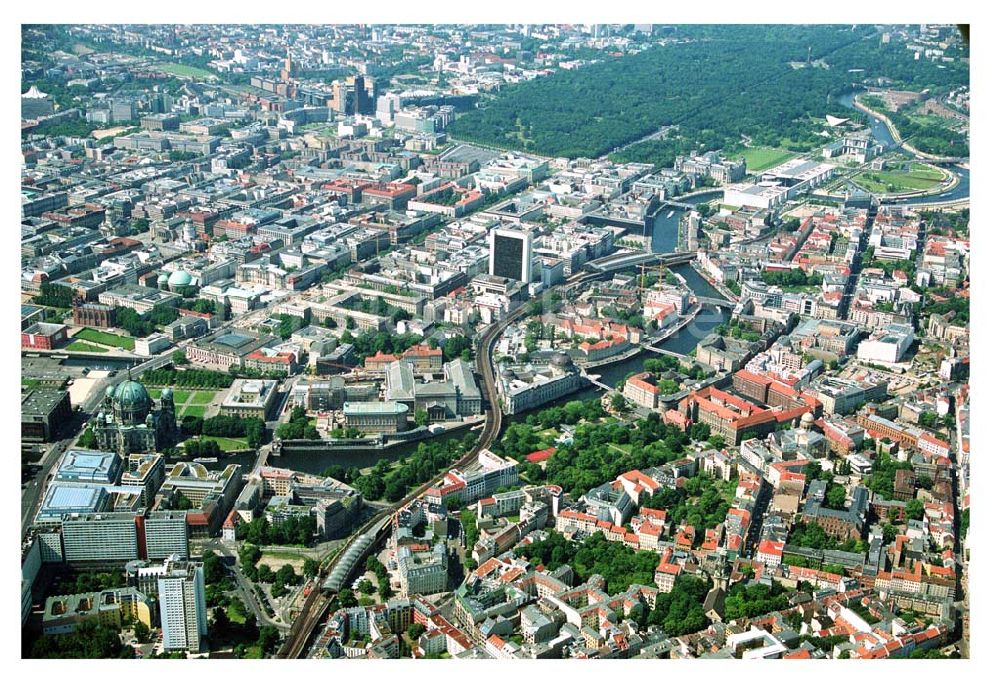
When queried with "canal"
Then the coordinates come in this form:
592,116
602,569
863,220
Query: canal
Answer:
668,219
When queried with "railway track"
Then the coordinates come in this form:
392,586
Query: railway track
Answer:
319,599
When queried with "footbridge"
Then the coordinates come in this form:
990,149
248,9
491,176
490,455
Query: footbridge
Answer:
721,303
596,380
664,351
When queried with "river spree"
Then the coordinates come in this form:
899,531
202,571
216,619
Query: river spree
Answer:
881,134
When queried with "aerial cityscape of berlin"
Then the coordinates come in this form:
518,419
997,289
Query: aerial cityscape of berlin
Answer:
495,341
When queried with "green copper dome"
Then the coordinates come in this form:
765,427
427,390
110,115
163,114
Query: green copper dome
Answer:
131,395
179,278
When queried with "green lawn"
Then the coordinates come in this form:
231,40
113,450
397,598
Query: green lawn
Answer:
202,397
104,338
920,177
235,617
80,347
189,402
759,159
929,172
186,71
227,443
180,396
192,410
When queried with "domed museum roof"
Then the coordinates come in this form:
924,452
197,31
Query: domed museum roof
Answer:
179,278
560,360
131,395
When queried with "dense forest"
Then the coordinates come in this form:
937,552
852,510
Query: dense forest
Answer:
720,85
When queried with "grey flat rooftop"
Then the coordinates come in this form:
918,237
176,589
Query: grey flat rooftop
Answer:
374,407
86,464
465,153
234,340
86,459
70,498
40,401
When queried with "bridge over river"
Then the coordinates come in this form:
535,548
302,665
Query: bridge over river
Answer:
621,261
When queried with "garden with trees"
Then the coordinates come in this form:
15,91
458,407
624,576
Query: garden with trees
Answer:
602,451
187,378
701,501
89,640
291,531
298,427
680,612
391,483
618,564
755,599
369,343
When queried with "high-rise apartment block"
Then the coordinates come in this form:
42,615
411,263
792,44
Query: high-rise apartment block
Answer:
183,614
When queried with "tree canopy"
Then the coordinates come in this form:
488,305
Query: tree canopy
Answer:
715,85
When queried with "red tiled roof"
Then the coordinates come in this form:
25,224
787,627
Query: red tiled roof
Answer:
775,548
421,350
282,358
753,378
643,385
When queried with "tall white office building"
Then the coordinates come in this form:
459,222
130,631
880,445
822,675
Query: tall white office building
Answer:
511,254
183,615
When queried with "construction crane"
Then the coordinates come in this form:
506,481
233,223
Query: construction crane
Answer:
659,268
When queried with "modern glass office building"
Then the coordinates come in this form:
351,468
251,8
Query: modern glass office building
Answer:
511,254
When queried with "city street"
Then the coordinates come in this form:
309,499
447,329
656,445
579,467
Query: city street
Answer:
246,589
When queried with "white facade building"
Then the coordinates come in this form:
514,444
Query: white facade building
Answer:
887,346
182,606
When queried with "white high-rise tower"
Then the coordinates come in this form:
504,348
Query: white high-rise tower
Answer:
183,615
